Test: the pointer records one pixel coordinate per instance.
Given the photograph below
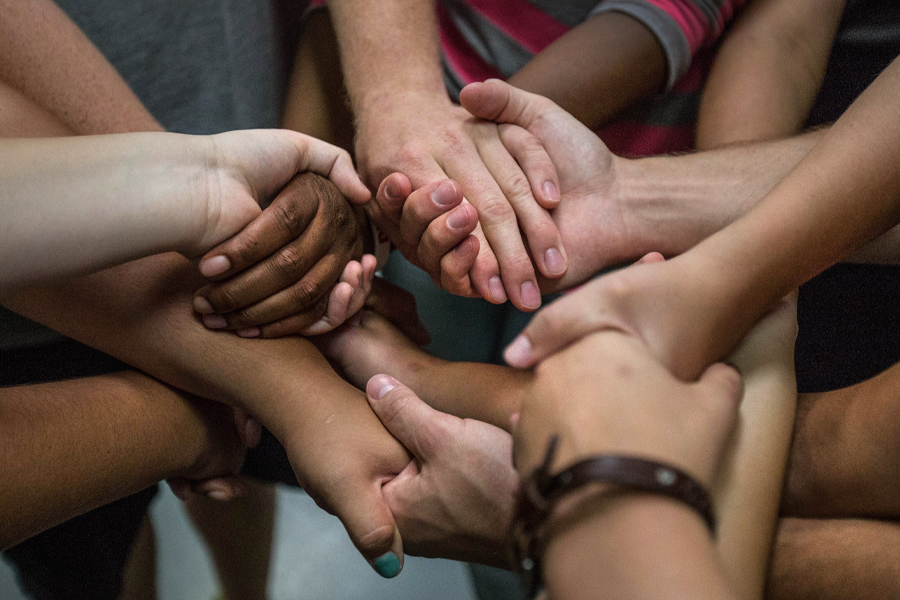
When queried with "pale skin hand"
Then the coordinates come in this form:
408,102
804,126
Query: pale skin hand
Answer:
461,466
408,124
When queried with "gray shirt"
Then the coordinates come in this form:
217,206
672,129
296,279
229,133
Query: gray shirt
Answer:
199,66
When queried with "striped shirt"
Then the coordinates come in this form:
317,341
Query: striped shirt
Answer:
481,39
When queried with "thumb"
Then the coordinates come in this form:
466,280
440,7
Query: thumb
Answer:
405,415
498,101
372,528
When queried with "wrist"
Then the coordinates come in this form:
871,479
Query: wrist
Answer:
202,195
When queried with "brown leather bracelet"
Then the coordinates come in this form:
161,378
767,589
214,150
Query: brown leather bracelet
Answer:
541,491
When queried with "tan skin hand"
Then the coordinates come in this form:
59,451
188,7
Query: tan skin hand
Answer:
280,269
607,394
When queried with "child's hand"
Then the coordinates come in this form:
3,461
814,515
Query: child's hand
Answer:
280,270
456,498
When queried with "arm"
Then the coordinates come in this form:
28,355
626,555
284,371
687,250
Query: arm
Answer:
598,68
40,51
406,122
184,193
768,71
339,450
71,446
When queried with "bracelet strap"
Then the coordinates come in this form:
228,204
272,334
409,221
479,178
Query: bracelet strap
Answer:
541,491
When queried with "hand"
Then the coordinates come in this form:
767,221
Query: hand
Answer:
248,168
595,225
456,498
685,318
342,455
607,394
226,434
368,345
278,271
429,140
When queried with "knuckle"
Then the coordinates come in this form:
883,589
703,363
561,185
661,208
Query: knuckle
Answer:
226,298
455,141
495,210
541,230
516,187
288,213
306,294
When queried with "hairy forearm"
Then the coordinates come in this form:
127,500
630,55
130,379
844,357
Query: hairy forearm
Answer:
597,69
115,198
48,58
684,199
388,47
71,446
768,71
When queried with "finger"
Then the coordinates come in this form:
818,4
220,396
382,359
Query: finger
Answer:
415,424
456,265
335,314
302,297
565,321
724,383
535,222
399,307
223,489
391,196
651,257
500,102
529,152
444,234
335,163
290,325
372,529
485,273
282,221
249,430
425,205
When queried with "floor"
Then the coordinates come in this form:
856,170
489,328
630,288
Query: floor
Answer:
328,569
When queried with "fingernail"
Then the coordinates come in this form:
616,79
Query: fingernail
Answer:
390,193
215,321
248,332
530,296
554,262
495,285
202,305
518,354
385,389
551,191
387,565
215,265
444,194
220,495
458,219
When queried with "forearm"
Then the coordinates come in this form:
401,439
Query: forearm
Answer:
48,58
141,313
633,546
388,48
768,71
597,69
843,194
71,446
115,198
682,200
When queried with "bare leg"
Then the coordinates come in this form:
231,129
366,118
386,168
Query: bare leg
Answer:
845,459
139,579
316,101
821,559
239,537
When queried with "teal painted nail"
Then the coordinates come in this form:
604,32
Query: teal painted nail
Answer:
387,565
